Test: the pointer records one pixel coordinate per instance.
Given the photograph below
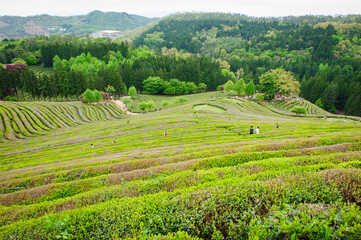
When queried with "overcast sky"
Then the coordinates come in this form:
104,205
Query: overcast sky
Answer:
160,8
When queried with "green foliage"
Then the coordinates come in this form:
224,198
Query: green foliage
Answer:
329,96
97,95
279,81
10,98
298,110
229,86
250,88
147,106
165,104
268,84
132,91
202,87
154,85
126,100
192,87
19,60
110,89
240,87
259,97
180,100
301,180
73,25
31,60
319,103
88,96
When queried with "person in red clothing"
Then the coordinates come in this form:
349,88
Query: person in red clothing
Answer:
165,133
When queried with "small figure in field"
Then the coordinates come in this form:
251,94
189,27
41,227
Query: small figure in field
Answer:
251,130
326,116
165,133
114,142
277,126
128,121
91,145
256,131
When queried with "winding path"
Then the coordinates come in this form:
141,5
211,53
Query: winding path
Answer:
122,106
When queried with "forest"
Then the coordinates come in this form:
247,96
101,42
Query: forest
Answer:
323,53
78,64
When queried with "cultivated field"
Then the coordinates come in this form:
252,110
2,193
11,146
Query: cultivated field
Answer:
207,179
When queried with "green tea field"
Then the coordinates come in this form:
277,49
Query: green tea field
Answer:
75,171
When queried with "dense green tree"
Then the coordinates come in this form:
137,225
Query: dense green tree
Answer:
319,103
202,87
88,96
154,85
229,86
240,87
250,88
268,84
132,91
97,96
329,97
192,87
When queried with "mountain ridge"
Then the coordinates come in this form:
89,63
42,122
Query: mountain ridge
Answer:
79,25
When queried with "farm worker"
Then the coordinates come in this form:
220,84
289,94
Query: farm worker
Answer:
256,131
251,130
277,126
165,133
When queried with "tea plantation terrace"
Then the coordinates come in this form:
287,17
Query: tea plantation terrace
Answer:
208,178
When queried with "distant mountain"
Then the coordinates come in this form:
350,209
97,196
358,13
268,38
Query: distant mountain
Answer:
81,25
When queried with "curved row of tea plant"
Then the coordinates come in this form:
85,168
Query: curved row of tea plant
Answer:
19,120
208,178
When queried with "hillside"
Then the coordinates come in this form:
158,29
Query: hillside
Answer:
208,178
320,55
323,52
81,25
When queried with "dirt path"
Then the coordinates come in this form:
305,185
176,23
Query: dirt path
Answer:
122,106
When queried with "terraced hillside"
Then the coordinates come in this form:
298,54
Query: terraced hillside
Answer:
207,179
20,120
285,106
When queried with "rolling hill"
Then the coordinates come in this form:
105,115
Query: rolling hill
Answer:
81,25
207,179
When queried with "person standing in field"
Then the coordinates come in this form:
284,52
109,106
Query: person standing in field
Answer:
277,126
165,133
256,131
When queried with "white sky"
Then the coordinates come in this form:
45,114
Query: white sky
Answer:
160,8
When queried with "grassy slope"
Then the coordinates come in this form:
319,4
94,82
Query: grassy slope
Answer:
207,178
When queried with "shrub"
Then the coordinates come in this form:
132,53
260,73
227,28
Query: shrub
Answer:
147,106
165,103
31,60
259,97
88,96
202,87
298,110
150,105
126,100
97,95
142,106
180,100
10,98
132,91
192,87
229,86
